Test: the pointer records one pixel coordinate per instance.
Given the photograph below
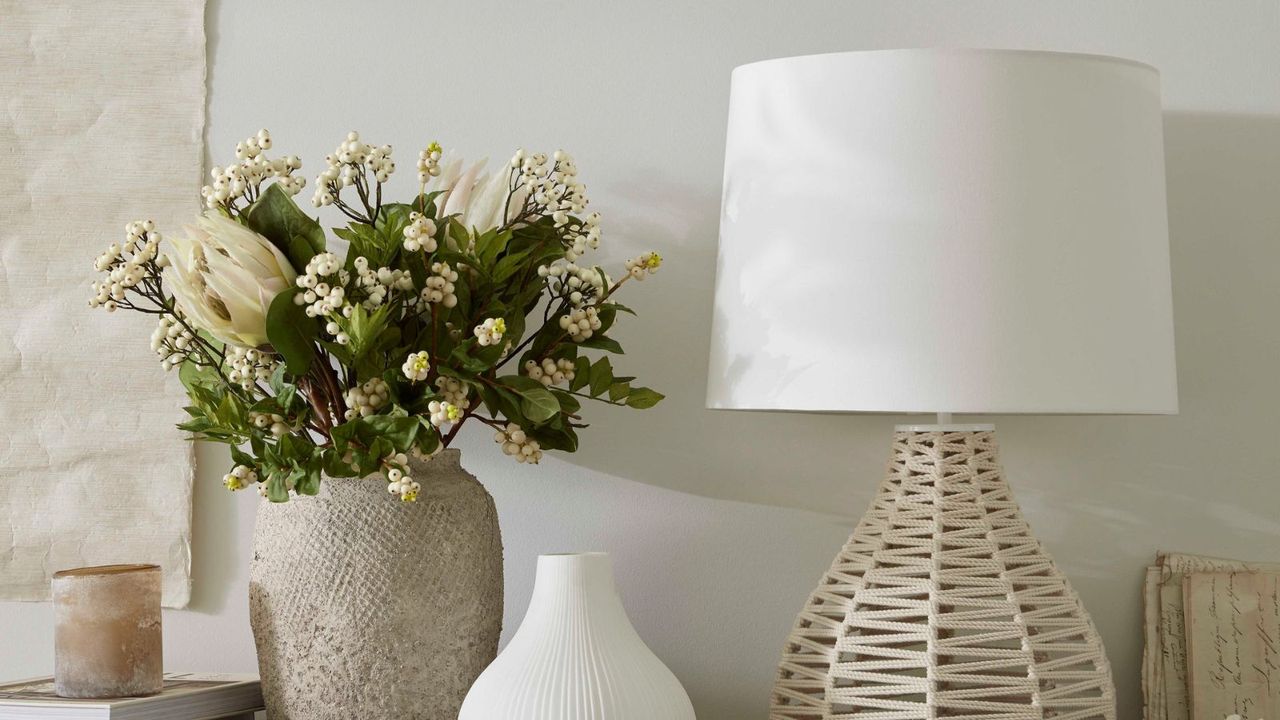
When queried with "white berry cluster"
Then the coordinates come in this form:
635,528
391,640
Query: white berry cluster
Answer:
248,365
580,323
550,372
453,391
420,233
322,283
127,264
577,282
366,399
518,445
335,331
417,366
443,413
646,264
429,162
398,480
240,477
171,341
551,183
271,422
243,179
440,286
349,161
490,331
380,163
581,236
377,284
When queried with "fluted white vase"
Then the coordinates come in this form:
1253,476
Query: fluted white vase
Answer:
576,656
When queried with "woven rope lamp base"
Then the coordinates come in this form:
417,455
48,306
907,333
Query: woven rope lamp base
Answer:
943,605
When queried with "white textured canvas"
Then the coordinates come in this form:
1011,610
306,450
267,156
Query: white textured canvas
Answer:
101,122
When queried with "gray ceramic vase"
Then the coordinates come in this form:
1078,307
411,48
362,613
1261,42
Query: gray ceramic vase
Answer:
364,606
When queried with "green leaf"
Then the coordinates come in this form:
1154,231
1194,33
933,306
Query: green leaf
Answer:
598,342
426,204
510,264
277,381
367,242
552,438
601,376
458,235
291,332
428,438
197,426
285,392
536,401
241,457
277,491
393,218
606,314
191,374
286,396
331,462
581,373
230,413
399,431
619,390
308,483
369,333
568,403
489,245
641,398
277,218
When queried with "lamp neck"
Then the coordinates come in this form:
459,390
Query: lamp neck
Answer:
945,424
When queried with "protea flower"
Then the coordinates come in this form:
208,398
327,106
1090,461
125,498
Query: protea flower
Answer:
224,277
479,199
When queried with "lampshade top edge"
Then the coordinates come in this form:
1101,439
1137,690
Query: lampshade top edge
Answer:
954,50
1168,410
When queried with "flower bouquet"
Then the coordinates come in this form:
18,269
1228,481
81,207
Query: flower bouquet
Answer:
312,356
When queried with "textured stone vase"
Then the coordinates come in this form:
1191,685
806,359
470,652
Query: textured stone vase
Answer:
366,607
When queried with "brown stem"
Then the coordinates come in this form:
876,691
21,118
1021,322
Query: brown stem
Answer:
318,404
444,441
332,388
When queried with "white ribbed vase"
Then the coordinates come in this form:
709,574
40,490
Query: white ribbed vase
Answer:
576,656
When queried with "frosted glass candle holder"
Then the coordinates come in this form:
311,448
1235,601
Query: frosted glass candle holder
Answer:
107,635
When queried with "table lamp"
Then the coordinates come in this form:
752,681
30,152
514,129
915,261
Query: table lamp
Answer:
944,231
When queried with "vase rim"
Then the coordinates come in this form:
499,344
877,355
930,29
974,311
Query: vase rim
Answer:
106,570
592,553
446,458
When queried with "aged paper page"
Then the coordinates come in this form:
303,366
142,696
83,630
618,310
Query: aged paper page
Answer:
1173,650
1233,659
1173,661
102,124
1152,685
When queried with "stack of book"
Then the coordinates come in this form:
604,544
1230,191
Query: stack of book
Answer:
186,696
1213,639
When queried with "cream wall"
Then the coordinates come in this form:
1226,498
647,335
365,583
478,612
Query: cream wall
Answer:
719,522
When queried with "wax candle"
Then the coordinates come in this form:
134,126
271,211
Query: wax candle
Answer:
107,631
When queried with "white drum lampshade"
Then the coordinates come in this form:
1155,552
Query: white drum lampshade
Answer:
944,231
949,231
